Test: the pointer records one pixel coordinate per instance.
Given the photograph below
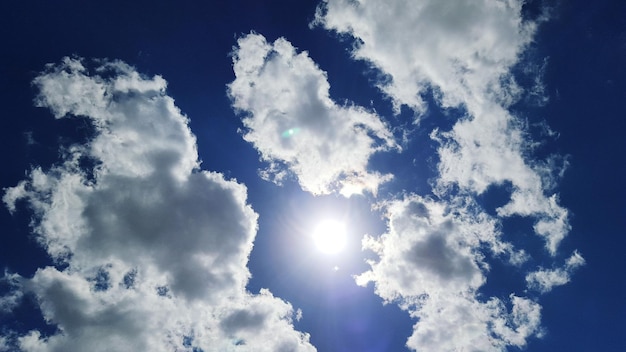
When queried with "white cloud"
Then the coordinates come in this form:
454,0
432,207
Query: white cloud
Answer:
155,250
464,52
544,280
459,49
292,122
489,150
10,284
425,251
5,345
430,263
486,326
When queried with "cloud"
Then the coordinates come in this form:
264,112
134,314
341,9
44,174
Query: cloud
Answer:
291,120
463,50
544,280
489,150
431,260
487,326
430,263
463,53
152,250
423,252
11,293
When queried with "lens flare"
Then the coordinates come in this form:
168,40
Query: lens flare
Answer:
290,132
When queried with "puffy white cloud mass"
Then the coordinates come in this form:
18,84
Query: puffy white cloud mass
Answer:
425,251
296,127
462,49
429,261
152,250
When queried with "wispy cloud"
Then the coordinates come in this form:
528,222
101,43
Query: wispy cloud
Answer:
153,250
10,285
296,127
543,280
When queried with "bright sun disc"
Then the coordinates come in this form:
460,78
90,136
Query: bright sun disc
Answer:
330,236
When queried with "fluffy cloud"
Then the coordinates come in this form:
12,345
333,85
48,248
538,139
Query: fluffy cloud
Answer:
430,262
463,52
153,250
296,127
424,252
459,49
489,150
487,326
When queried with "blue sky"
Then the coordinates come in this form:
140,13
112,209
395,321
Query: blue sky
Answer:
166,167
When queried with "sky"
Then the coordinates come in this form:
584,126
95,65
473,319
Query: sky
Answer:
328,175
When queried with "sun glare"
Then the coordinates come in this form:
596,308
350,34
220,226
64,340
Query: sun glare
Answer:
330,236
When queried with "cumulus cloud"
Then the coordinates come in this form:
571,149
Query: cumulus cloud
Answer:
489,150
291,120
459,49
152,250
463,53
430,263
424,252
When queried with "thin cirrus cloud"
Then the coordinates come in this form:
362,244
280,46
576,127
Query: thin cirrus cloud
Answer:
153,250
291,120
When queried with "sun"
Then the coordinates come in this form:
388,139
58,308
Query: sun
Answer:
330,236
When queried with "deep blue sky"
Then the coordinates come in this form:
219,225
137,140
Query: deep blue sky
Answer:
191,45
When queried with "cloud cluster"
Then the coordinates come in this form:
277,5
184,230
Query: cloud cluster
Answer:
152,251
430,261
291,120
463,52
